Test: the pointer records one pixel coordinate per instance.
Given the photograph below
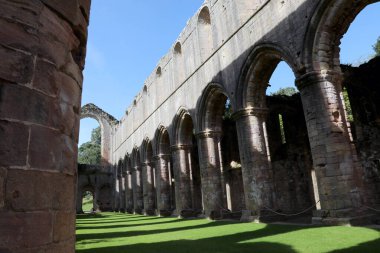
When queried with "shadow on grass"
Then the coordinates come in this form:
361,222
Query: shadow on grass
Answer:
221,244
122,224
106,235
232,243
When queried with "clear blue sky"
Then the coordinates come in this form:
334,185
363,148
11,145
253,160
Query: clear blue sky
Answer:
128,37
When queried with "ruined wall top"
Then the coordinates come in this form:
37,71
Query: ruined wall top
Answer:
91,110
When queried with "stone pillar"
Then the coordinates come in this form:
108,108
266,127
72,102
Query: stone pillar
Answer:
138,202
116,191
163,185
182,172
337,179
96,200
211,175
122,192
256,169
42,50
79,208
128,193
148,189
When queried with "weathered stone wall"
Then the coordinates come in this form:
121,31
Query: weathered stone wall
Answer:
106,121
362,84
236,59
42,51
100,181
290,154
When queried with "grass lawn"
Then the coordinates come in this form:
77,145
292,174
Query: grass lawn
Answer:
122,233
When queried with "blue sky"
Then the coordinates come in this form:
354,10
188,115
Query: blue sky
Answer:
128,37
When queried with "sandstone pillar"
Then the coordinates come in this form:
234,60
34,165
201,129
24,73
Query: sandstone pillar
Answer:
42,50
138,203
256,170
128,193
148,188
210,163
163,185
181,163
122,192
337,178
79,204
116,190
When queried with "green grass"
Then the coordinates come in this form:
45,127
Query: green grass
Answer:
87,204
122,233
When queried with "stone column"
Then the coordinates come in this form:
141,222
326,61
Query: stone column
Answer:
256,169
128,193
211,176
116,191
148,188
79,204
337,178
96,200
122,192
182,171
42,51
138,202
163,185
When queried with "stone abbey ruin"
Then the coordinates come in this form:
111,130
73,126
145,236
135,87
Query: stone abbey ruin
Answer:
175,151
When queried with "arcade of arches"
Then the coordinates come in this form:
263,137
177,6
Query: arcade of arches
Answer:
201,138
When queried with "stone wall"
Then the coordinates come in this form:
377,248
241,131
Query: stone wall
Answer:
100,181
42,47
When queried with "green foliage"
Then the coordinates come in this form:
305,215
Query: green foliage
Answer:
228,110
287,91
90,152
96,136
376,47
347,103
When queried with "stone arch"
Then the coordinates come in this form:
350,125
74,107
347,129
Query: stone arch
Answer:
148,177
205,35
186,165
326,29
162,141
321,58
211,107
256,72
183,127
106,121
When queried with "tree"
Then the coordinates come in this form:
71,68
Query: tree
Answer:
90,152
376,47
287,91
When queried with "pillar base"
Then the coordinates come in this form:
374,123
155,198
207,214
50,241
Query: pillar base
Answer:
138,212
188,213
261,216
344,217
149,212
164,213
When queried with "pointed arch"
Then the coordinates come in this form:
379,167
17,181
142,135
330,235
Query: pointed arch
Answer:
256,72
211,107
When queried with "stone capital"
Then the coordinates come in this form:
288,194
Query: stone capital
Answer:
145,164
250,111
208,134
161,156
180,147
314,77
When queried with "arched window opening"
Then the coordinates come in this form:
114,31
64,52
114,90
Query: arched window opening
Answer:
205,33
88,202
359,55
89,151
